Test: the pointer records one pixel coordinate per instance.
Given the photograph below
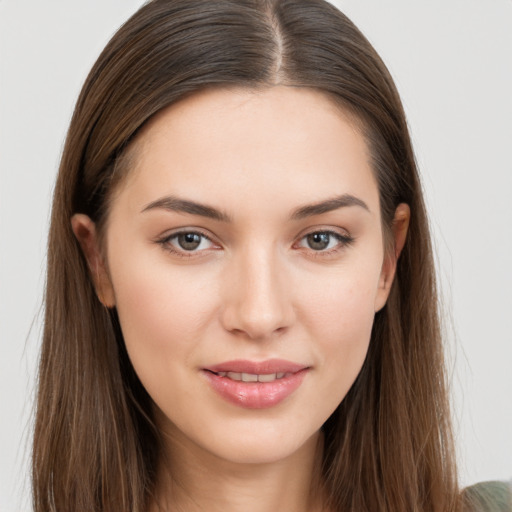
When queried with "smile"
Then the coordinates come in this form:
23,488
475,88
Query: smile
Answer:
253,377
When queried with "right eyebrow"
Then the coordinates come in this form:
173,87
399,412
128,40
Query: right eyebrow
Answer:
175,204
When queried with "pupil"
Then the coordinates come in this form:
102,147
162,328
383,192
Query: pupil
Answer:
189,241
318,241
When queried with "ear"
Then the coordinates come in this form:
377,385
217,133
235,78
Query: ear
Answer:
399,232
85,232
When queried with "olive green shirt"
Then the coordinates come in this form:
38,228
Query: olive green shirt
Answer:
489,497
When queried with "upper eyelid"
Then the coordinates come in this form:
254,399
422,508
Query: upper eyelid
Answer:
334,234
325,229
180,231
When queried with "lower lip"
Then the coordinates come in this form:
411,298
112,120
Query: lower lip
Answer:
255,395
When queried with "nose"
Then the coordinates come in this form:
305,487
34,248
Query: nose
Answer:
257,295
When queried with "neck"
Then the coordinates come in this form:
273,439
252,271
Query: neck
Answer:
192,480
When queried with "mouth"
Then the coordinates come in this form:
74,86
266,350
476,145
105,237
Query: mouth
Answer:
253,377
256,385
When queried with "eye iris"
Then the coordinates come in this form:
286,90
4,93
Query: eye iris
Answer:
318,241
189,241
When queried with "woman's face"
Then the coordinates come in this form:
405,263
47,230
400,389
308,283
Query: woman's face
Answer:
245,245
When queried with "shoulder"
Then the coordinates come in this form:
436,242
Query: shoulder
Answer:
492,496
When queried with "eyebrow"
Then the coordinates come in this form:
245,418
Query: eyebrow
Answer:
329,205
175,204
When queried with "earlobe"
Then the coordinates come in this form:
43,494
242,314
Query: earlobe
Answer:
399,227
85,232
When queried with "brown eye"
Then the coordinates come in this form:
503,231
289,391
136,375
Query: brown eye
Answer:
189,241
318,241
325,241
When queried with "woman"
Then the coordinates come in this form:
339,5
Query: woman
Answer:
241,309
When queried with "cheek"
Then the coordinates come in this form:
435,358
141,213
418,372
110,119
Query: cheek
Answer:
161,312
340,319
343,299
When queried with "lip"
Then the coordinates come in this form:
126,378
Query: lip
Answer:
256,395
258,367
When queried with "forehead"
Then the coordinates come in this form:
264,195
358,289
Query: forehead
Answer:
280,144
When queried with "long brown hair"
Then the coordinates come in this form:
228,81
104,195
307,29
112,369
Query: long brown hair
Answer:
388,446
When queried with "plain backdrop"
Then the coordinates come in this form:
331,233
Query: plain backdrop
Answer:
452,62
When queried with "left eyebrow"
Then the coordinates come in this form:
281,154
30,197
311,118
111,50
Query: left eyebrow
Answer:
328,205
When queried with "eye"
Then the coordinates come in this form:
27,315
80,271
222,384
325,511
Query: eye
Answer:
324,241
187,242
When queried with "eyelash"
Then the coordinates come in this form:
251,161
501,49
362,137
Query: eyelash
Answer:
343,242
166,244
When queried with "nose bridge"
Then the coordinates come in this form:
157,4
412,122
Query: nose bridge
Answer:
258,301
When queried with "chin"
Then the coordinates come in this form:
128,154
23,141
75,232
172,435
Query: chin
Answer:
257,449
250,440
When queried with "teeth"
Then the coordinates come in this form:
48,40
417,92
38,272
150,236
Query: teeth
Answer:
267,378
252,377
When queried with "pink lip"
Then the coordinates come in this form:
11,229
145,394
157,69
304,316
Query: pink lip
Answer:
256,395
260,368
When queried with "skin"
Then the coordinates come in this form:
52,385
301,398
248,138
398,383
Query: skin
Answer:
256,288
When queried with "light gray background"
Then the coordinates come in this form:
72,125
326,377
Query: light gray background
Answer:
452,61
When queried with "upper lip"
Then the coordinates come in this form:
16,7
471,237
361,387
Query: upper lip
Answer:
257,367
